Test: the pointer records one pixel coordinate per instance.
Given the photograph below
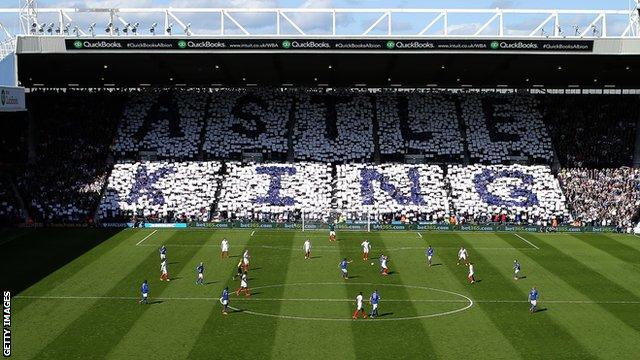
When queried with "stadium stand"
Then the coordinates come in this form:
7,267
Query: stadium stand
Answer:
391,192
13,138
419,123
253,121
166,122
502,128
594,131
514,194
9,209
162,190
276,192
73,133
602,197
333,127
335,138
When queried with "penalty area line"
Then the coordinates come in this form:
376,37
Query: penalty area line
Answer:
420,235
146,237
252,233
527,241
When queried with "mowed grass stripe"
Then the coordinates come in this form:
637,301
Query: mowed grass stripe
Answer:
618,275
176,324
588,282
44,320
97,330
411,331
62,244
444,331
294,340
253,336
514,321
612,245
582,320
606,260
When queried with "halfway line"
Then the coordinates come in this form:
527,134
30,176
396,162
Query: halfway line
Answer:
51,297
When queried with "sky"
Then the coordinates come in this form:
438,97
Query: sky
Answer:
551,4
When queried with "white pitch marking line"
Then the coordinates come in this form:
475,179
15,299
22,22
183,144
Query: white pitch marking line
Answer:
527,241
51,297
420,235
334,249
146,237
253,232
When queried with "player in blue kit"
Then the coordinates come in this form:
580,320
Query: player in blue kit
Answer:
429,252
224,300
374,299
200,272
343,268
516,269
144,289
533,300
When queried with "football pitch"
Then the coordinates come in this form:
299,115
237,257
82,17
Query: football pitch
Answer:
87,307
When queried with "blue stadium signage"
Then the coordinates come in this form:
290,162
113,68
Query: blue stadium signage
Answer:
320,45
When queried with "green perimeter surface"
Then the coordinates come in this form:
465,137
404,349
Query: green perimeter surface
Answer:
87,306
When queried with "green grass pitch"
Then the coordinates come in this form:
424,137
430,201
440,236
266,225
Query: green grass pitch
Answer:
86,306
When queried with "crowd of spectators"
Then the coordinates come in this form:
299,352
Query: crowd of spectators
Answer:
504,128
161,189
332,136
9,209
592,131
73,131
602,197
420,123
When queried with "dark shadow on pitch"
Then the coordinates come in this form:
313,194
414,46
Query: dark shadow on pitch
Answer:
385,314
155,302
540,310
48,249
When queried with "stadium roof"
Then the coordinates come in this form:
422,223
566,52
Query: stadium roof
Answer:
322,47
371,62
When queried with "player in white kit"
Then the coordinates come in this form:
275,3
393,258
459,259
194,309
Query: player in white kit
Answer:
245,260
307,249
462,256
472,273
359,307
244,286
164,274
224,249
366,247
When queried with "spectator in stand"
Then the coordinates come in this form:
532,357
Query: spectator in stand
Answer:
592,131
73,131
607,197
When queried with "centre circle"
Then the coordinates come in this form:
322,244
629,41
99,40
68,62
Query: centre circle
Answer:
439,297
